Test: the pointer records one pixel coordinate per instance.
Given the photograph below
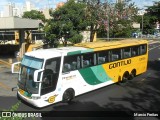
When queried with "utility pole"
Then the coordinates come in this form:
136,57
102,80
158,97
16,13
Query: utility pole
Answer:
108,17
142,25
142,14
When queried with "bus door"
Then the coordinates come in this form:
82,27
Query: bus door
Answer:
50,75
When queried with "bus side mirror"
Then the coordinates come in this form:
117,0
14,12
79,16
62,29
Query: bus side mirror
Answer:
38,75
15,67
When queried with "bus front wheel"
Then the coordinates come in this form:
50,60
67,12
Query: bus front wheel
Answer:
68,95
132,74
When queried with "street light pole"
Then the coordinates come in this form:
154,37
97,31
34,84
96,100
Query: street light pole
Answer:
108,21
142,13
142,25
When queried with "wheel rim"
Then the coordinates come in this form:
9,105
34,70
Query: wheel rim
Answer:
132,75
124,79
67,96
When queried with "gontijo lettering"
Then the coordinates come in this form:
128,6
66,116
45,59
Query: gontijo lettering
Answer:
121,63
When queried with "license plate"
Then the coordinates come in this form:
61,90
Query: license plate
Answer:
21,91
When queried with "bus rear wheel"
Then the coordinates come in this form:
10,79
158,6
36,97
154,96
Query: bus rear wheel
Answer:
68,95
125,77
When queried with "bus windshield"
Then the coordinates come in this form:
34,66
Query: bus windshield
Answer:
28,66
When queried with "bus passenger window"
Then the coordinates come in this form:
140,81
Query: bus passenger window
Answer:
143,49
115,57
126,53
135,51
86,63
74,65
101,60
115,54
102,57
66,67
88,60
71,63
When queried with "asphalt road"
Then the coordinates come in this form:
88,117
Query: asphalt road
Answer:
139,95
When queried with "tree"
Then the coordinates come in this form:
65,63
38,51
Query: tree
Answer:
34,14
111,19
66,24
123,16
151,17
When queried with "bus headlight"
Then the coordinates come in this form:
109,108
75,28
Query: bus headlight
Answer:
36,97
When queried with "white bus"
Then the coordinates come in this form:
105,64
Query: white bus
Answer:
49,76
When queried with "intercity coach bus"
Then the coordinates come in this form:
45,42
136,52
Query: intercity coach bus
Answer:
49,76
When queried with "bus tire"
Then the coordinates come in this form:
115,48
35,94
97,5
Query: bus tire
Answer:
132,74
125,77
68,95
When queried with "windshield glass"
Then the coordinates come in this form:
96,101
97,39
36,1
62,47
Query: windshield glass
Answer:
28,66
32,62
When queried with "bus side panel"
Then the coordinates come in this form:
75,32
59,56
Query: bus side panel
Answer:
141,64
75,81
94,75
85,80
116,70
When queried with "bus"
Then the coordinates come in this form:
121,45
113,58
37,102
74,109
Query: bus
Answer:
48,76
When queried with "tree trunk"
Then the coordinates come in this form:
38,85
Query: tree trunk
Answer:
92,33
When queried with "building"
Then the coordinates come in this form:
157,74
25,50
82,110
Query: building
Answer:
8,10
119,1
28,6
1,14
46,13
17,12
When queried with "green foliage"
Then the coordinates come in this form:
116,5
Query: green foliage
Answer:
66,24
34,14
151,17
115,19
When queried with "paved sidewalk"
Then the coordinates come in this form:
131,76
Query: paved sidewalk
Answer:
7,80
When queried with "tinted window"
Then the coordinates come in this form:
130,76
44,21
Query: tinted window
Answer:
143,49
71,63
102,57
135,51
50,75
88,60
126,52
116,54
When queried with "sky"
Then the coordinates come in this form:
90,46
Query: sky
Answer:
37,3
52,3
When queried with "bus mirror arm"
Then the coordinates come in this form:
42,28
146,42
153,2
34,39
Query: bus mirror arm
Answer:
15,89
37,73
16,66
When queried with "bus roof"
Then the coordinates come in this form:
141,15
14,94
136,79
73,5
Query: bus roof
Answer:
82,48
111,44
54,52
